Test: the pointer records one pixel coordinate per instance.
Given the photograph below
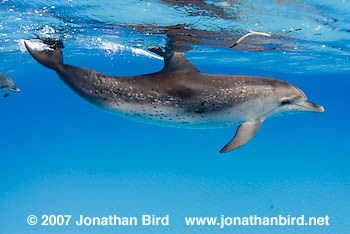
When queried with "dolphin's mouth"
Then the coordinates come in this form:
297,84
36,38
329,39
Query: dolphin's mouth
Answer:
309,106
15,89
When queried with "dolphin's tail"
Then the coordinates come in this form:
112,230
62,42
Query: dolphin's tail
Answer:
50,58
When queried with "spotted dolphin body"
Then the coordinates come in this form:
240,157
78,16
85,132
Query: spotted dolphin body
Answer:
7,85
180,95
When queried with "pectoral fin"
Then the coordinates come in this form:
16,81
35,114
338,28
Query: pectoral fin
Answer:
244,133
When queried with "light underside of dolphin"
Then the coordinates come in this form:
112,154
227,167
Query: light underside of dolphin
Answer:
180,95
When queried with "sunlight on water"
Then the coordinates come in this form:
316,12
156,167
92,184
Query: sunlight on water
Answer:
309,32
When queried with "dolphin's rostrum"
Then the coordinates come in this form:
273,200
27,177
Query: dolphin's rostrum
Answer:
7,85
180,95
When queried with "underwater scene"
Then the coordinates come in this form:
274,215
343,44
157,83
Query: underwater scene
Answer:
160,116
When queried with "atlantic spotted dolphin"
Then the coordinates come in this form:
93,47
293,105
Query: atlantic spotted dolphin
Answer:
180,95
7,85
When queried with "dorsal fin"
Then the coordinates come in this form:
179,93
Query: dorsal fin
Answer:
173,60
178,62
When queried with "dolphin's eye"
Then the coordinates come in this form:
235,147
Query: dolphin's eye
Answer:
285,101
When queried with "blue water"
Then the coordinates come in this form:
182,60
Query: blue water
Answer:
61,155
